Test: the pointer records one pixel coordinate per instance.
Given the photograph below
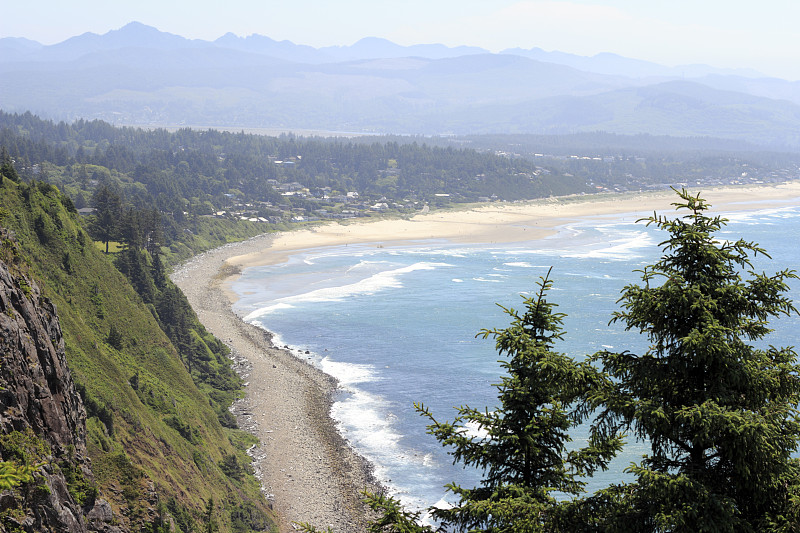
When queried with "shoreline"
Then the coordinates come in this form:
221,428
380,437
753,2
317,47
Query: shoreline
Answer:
308,468
502,222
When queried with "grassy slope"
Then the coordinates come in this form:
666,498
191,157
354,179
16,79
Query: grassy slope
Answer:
130,441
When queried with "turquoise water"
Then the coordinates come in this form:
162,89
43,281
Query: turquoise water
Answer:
397,325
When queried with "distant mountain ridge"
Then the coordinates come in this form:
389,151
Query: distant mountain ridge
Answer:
136,34
140,75
608,63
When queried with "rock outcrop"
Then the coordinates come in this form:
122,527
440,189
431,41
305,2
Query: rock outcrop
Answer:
42,417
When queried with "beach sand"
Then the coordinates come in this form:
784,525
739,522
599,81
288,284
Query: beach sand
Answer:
305,466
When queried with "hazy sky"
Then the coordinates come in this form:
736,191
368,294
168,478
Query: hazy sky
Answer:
760,34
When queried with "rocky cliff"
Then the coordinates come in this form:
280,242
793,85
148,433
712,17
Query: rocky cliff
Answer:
42,417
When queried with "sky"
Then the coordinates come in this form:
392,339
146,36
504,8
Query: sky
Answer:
755,34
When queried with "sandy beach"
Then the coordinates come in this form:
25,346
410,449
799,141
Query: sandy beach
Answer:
306,468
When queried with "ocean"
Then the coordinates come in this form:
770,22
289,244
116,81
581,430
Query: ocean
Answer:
398,325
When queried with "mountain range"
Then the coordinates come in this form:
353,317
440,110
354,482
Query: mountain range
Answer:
138,75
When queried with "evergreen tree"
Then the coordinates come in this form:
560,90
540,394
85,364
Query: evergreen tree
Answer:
132,262
158,272
720,414
522,445
108,205
7,169
115,339
210,518
154,231
130,228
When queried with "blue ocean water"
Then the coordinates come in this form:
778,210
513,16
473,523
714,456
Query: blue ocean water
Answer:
397,325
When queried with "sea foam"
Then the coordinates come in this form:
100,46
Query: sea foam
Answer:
400,336
389,279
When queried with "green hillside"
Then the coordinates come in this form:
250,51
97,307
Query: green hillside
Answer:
163,445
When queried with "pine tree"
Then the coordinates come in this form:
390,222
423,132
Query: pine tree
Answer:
115,338
720,414
108,205
522,445
209,517
7,169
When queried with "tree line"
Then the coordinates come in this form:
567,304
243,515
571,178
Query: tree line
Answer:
635,161
206,165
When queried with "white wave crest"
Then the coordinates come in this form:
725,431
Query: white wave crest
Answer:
620,249
348,373
380,281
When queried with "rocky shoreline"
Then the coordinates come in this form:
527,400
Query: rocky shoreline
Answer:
306,468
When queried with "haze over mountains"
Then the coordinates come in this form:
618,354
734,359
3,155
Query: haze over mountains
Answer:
139,75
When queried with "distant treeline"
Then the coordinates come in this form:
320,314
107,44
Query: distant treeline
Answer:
210,164
188,174
631,161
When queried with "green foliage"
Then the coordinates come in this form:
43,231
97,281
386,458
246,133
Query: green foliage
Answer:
210,521
66,263
14,474
43,228
130,442
246,517
720,414
25,286
23,447
161,524
182,517
114,338
96,298
25,454
205,357
125,474
96,408
186,431
7,169
82,489
187,176
230,467
108,211
522,446
393,518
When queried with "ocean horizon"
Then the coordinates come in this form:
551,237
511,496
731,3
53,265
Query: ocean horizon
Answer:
397,325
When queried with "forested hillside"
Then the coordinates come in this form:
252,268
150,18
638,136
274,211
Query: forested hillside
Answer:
610,161
189,174
208,187
164,448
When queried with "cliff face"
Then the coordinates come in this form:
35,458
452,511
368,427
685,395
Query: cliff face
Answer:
42,419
